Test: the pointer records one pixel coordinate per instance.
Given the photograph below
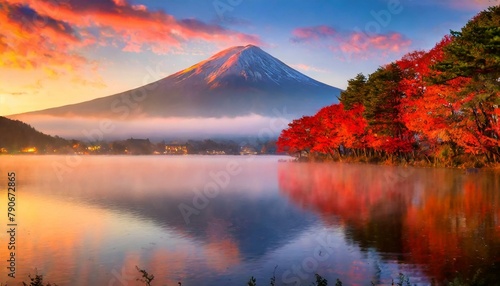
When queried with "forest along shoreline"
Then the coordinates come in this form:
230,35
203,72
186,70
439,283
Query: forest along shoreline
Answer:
436,108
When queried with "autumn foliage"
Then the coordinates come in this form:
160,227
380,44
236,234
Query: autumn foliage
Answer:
437,107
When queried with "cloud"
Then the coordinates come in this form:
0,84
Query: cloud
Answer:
354,44
55,32
304,67
364,46
13,93
97,83
29,39
460,4
306,34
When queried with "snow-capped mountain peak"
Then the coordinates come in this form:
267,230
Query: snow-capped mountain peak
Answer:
242,64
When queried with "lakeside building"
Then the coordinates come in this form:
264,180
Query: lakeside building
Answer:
175,149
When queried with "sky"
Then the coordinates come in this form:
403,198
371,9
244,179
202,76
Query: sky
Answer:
59,52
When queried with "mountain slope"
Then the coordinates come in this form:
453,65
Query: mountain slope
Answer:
15,135
238,81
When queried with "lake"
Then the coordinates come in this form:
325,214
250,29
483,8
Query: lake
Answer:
218,220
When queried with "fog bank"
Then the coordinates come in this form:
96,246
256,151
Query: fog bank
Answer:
96,129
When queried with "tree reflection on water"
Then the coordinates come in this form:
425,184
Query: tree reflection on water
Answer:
443,219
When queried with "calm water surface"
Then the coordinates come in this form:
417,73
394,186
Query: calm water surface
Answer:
217,220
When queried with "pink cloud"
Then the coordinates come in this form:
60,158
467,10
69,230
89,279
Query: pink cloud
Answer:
304,67
359,42
46,32
462,4
305,34
353,44
472,4
139,7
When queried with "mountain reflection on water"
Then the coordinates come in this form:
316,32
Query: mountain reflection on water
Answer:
443,219
91,222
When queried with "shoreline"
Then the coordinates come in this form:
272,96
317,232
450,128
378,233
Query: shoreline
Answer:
495,167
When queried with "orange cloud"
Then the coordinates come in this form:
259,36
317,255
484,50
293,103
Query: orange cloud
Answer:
24,39
48,32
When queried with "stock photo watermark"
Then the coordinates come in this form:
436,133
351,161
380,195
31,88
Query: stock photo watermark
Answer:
11,224
122,106
381,19
321,253
121,278
224,6
219,180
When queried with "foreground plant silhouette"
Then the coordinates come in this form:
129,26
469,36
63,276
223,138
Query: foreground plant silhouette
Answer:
37,281
146,277
403,280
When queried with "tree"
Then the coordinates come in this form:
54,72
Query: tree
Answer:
355,93
383,111
473,56
298,136
425,107
326,137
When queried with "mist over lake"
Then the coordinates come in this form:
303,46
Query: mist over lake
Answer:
101,128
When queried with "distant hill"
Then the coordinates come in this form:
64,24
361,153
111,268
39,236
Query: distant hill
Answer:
17,136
